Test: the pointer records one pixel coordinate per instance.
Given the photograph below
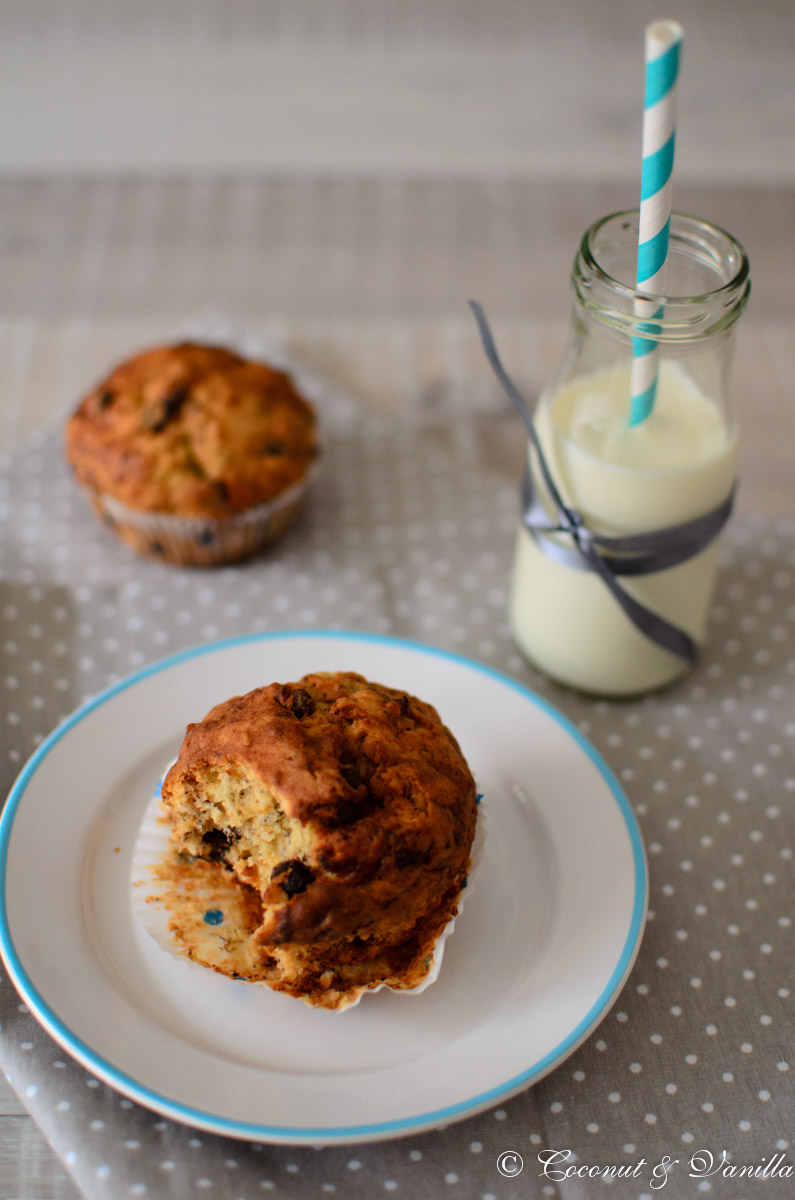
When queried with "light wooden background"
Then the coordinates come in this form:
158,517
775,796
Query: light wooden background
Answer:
539,88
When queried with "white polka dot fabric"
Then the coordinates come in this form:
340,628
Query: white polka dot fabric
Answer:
409,531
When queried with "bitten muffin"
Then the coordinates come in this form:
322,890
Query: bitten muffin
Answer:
192,453
329,822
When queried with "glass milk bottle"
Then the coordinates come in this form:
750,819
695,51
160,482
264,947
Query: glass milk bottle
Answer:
676,466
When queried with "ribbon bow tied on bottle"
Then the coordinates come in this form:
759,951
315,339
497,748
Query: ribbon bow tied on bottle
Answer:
609,557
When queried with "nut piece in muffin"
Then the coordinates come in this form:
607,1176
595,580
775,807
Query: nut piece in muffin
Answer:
330,822
192,453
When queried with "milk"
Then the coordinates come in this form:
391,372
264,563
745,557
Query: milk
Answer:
676,465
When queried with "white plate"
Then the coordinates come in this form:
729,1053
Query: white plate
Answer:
543,948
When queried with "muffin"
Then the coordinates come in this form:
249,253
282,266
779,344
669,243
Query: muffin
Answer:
327,824
193,454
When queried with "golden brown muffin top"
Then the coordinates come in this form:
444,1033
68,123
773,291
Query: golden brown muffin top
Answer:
192,430
386,796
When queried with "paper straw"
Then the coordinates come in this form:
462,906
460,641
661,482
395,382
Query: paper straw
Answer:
663,39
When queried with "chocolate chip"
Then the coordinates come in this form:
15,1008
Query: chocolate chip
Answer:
350,773
303,705
297,700
217,837
157,418
219,840
221,490
157,548
173,403
206,537
294,876
403,701
274,448
106,399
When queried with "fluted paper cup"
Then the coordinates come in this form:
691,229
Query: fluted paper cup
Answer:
201,541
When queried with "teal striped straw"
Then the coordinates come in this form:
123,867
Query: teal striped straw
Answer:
663,39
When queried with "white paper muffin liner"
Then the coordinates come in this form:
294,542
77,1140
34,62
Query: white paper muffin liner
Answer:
154,843
202,541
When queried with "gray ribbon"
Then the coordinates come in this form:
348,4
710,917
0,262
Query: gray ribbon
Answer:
634,554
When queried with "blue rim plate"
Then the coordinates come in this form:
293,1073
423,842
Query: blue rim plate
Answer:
546,941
